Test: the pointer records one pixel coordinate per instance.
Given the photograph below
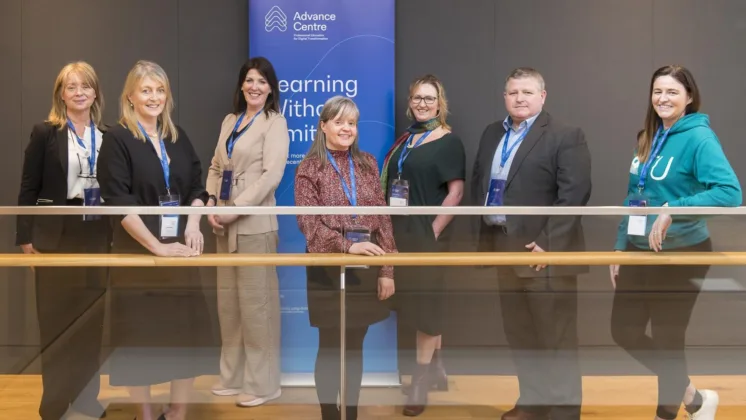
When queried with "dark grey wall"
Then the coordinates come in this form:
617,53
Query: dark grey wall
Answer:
596,56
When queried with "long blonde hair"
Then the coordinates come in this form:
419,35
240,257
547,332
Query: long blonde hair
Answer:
345,107
58,113
128,118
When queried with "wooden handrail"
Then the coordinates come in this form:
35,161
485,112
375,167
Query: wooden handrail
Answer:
402,259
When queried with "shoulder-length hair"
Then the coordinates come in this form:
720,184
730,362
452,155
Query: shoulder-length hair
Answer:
128,118
58,113
265,68
337,107
652,120
432,80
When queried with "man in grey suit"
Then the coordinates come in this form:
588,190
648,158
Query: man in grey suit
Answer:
531,159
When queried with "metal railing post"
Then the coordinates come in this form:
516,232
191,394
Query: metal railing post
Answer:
342,345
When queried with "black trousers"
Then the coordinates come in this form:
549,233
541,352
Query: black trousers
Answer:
66,295
540,321
328,369
664,296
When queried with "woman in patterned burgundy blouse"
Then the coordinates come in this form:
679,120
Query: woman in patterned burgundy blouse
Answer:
336,173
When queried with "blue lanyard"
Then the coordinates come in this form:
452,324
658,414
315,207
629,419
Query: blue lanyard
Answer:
407,150
657,146
235,134
92,155
351,195
507,151
164,160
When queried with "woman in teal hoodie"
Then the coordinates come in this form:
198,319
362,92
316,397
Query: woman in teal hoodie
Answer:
678,162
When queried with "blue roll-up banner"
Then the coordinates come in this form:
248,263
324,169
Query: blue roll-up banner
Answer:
323,48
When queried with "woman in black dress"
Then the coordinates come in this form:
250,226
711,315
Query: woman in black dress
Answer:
425,167
147,160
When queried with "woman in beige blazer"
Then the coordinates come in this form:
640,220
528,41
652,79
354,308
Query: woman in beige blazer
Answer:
246,169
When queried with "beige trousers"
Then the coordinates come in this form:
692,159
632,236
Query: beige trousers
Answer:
249,313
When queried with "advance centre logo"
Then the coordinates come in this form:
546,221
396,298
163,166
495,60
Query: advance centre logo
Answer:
306,26
275,19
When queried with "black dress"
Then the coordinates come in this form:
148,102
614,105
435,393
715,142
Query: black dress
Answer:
158,333
419,298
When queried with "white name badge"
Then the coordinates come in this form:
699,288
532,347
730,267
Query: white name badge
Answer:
637,225
169,223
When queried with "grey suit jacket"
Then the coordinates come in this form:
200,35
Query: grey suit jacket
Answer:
552,167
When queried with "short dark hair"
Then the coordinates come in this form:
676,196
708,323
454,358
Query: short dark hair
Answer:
521,72
265,68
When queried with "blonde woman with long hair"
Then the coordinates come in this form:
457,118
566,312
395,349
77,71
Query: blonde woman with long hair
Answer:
424,167
147,160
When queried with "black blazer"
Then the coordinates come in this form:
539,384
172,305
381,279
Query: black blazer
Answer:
44,182
552,167
130,174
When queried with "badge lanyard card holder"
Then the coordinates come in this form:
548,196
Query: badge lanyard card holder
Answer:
91,191
168,224
228,180
637,224
354,232
497,184
399,191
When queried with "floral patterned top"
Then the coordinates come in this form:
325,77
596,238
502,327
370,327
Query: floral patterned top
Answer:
317,185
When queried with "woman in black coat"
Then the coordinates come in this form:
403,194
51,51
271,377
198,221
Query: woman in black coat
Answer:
59,168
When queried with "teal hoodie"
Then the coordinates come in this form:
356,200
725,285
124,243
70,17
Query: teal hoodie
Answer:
691,170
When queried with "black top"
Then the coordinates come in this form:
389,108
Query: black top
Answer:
130,174
428,169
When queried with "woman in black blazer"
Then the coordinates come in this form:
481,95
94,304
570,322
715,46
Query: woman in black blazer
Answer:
59,169
160,324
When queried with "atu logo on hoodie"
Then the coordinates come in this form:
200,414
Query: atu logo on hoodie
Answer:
634,169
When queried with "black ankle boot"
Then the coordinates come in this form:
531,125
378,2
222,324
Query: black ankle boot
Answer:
329,412
438,376
417,398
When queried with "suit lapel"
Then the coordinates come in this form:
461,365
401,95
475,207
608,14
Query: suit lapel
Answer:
62,147
528,143
489,157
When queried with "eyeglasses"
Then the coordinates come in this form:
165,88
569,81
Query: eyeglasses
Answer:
84,167
429,100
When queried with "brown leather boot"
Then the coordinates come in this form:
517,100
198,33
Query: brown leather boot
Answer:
417,398
438,376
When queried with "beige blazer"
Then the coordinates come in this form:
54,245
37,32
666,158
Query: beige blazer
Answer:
258,161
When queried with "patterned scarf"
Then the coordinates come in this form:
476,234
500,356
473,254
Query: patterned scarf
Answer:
418,127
